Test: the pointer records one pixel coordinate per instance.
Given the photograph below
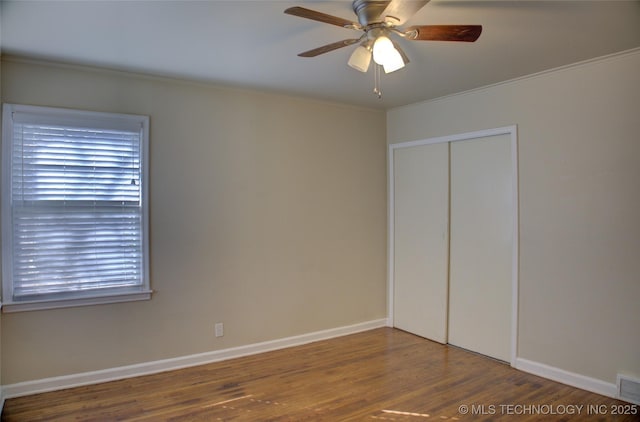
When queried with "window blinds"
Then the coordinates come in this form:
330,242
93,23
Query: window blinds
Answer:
76,207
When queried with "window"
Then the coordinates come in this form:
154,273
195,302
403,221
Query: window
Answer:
74,208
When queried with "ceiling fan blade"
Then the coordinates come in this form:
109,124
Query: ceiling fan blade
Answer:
466,33
329,47
321,17
401,10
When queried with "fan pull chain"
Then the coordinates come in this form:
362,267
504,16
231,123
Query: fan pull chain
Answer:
376,81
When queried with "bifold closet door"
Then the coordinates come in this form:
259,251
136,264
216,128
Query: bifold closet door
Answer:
421,201
481,245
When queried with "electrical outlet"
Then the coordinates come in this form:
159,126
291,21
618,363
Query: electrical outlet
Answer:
219,329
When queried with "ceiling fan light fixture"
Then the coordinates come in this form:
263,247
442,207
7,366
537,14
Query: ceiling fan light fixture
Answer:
386,55
397,63
382,48
393,62
360,59
378,20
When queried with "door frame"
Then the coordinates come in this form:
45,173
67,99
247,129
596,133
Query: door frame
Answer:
512,131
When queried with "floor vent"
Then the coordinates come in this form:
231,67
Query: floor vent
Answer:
629,389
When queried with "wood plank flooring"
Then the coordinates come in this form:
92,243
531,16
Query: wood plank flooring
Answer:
379,375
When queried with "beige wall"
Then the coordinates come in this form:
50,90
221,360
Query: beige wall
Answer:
579,162
267,214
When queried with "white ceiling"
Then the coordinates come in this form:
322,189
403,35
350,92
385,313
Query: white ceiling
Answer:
253,44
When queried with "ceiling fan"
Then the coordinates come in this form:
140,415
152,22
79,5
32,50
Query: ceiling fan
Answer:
378,20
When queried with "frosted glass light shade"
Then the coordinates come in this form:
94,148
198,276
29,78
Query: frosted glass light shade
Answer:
360,59
393,62
385,54
382,48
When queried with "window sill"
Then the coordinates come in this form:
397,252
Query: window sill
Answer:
8,307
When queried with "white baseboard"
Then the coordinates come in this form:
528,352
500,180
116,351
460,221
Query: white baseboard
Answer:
146,368
565,377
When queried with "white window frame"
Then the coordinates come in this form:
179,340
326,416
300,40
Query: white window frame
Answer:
61,115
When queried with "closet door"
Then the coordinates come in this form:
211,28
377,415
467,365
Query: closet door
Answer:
480,291
421,199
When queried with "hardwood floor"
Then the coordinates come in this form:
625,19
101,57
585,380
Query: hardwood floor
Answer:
379,375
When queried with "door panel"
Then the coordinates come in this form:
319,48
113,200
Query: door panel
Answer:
481,246
421,199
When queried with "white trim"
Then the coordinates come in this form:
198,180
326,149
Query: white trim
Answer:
457,137
512,131
565,377
390,237
67,303
146,368
5,206
606,57
155,77
515,252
